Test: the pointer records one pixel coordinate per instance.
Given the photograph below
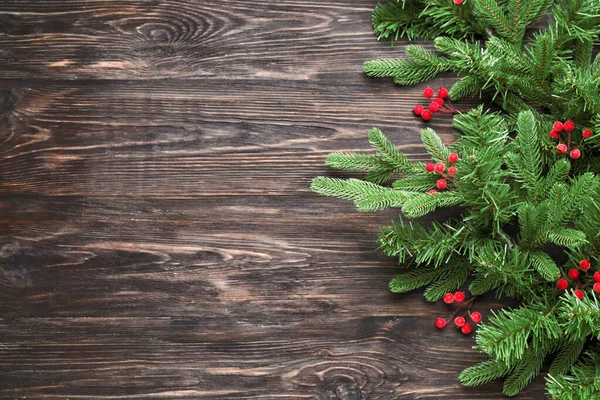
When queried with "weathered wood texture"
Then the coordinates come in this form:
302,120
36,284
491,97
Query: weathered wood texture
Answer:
158,237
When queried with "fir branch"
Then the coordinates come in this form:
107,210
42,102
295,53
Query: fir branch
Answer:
525,370
567,356
454,21
491,12
509,334
388,152
545,266
417,182
581,317
451,279
420,65
357,162
400,239
434,146
542,55
483,284
484,372
567,237
434,246
523,13
422,204
582,383
558,172
367,196
414,279
392,21
467,86
526,164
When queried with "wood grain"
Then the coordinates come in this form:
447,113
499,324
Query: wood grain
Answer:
159,240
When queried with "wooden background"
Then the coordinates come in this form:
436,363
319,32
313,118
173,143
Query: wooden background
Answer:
158,236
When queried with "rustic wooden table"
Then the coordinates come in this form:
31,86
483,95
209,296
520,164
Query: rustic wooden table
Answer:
159,239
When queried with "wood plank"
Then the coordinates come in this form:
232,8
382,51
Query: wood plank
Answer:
285,40
159,239
161,134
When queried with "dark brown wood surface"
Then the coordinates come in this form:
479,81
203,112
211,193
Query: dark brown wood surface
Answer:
158,236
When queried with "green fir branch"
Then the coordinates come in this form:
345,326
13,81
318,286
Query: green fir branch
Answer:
484,372
566,357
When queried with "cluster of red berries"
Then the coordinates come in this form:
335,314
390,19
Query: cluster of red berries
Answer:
460,321
562,148
574,274
435,104
440,168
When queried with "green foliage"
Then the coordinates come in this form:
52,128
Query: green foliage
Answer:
507,179
420,65
544,265
366,195
511,334
484,42
526,369
566,357
412,280
484,372
581,383
527,215
525,162
449,280
439,280
423,18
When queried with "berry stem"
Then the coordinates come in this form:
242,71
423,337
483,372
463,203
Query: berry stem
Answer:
447,108
466,305
587,283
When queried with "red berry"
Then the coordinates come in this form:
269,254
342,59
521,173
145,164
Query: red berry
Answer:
426,115
434,107
569,126
597,287
459,297
440,101
573,274
439,167
575,154
466,329
440,323
587,133
597,276
554,135
579,294
428,92
558,126
459,321
458,2
562,284
453,157
429,167
448,298
441,184
418,110
452,171
433,192
561,148
443,93
584,265
476,317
